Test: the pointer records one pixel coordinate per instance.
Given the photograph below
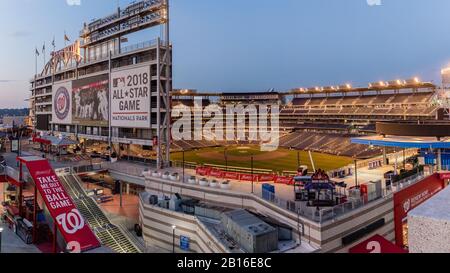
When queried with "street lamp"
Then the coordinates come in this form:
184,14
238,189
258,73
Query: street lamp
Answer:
356,173
1,231
173,238
183,166
252,173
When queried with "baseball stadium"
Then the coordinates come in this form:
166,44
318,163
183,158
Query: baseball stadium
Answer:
346,163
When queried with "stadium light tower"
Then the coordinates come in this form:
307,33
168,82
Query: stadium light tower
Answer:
163,155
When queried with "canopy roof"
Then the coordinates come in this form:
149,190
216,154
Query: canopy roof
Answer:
403,142
55,141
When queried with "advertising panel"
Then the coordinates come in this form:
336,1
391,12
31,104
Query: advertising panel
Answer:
62,103
90,100
71,224
408,199
248,177
266,178
130,101
376,245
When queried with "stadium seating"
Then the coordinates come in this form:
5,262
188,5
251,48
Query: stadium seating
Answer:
323,123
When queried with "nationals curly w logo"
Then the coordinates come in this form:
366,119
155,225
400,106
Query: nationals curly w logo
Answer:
71,222
61,103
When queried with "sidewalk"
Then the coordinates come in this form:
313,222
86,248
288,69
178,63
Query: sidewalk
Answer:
11,243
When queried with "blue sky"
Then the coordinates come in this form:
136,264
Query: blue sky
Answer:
251,45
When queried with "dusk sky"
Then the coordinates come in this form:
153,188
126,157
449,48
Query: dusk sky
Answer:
250,45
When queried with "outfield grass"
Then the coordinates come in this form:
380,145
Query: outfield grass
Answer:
286,162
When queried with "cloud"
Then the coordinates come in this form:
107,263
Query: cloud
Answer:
73,2
374,2
20,33
8,81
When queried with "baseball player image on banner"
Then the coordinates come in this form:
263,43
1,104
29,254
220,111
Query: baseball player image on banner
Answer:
90,101
62,103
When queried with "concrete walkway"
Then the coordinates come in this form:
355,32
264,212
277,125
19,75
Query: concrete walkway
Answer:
11,243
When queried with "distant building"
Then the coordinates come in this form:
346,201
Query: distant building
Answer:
17,121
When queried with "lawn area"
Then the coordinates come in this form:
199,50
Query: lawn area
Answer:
280,160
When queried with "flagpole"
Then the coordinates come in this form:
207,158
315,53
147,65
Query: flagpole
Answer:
35,80
43,53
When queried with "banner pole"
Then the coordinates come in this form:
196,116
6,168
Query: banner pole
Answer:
55,230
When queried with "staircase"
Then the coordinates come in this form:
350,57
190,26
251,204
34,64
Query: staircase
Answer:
108,234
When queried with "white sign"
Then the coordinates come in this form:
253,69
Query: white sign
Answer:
62,103
130,98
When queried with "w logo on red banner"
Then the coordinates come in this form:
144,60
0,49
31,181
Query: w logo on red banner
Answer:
71,222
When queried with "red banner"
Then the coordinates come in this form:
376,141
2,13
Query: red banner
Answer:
376,244
285,180
411,197
248,177
202,171
71,224
444,176
216,173
231,175
266,178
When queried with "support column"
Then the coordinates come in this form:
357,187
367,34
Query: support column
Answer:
55,235
385,161
20,188
439,160
35,215
110,110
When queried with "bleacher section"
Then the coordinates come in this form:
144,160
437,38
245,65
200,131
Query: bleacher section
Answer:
327,143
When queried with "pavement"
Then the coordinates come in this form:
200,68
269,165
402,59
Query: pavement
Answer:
11,243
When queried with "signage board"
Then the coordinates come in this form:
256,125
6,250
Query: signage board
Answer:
62,103
409,198
130,98
376,245
184,243
14,146
70,222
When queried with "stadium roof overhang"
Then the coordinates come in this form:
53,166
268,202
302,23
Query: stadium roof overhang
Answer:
403,142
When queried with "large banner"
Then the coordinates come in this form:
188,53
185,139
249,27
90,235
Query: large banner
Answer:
71,224
376,245
409,198
62,103
130,101
90,101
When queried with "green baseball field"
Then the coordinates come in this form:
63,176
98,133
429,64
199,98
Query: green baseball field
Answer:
277,161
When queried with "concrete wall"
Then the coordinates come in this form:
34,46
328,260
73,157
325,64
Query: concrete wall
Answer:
324,236
157,230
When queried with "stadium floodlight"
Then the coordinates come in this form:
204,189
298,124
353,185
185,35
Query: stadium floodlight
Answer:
413,81
445,71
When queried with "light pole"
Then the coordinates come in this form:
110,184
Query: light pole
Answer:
173,238
252,172
226,158
1,231
183,166
356,173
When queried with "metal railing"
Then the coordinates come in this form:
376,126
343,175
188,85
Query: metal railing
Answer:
325,214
